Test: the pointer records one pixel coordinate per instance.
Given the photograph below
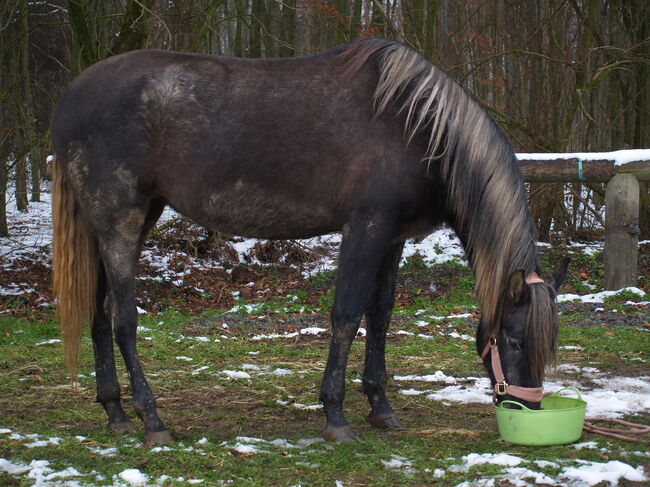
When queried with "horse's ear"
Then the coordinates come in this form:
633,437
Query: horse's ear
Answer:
517,286
559,274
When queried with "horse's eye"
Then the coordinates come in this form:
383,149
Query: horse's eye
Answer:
514,343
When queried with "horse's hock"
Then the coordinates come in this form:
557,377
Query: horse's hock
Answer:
622,200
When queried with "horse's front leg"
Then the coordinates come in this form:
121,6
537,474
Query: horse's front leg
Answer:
378,317
364,245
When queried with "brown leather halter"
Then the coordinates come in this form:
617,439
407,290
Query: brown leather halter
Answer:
501,387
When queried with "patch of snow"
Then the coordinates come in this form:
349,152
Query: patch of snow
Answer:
400,463
412,392
104,452
592,473
598,297
396,462
314,330
246,308
473,459
236,374
133,476
453,334
157,449
280,372
438,376
519,475
297,405
47,342
480,391
619,157
618,397
55,440
246,445
404,332
40,472
251,367
585,444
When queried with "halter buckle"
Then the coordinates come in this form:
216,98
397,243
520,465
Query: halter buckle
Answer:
501,388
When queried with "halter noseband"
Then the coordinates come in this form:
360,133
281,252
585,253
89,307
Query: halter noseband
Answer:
501,387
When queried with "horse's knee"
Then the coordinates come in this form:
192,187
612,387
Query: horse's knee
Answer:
374,384
125,334
345,321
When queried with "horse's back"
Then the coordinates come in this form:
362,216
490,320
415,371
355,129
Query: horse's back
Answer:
274,148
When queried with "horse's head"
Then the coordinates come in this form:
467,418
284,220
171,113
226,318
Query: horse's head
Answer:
516,352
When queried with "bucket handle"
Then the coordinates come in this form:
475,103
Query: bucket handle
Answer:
516,403
557,393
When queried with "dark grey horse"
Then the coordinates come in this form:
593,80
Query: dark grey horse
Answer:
368,139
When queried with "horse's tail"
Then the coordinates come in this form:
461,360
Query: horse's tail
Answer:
75,260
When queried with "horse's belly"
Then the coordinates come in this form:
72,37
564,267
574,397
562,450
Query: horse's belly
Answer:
259,214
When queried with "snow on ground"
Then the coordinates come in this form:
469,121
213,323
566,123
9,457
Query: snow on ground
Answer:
31,231
599,297
610,397
31,240
619,157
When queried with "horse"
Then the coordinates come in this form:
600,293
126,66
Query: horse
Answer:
369,139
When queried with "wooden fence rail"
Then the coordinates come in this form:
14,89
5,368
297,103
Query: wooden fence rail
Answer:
621,204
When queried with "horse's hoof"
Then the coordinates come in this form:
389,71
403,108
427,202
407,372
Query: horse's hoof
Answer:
124,427
157,438
339,433
385,421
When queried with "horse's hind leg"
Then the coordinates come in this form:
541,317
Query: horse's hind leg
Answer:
378,315
108,388
362,251
120,251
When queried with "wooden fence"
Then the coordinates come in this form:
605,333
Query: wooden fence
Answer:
621,204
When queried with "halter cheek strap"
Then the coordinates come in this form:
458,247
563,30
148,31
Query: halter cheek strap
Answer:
501,387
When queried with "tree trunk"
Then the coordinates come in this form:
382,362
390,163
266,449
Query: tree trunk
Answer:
4,152
6,66
256,21
29,138
288,29
134,30
240,9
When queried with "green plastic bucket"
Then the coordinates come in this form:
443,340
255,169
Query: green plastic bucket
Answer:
558,422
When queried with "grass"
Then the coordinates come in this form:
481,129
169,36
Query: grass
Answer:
207,411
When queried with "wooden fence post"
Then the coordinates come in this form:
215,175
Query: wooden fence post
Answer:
621,231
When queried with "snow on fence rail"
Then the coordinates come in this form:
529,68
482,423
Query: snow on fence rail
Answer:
621,170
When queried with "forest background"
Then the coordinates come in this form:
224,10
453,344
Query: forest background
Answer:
558,75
